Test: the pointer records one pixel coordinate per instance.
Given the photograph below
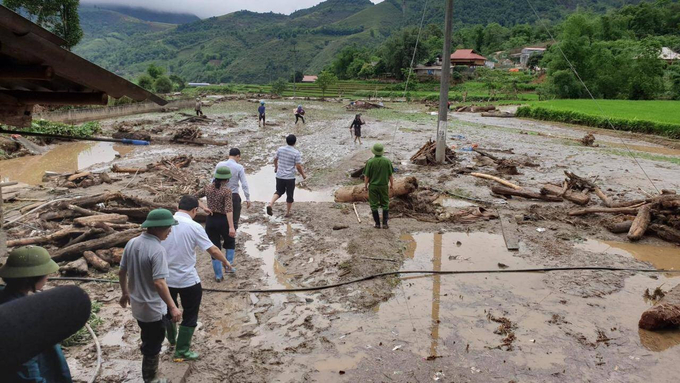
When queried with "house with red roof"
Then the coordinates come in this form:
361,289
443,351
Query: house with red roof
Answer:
309,79
467,57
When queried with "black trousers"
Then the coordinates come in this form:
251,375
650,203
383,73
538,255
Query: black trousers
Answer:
299,117
285,187
153,334
217,228
190,298
229,242
199,113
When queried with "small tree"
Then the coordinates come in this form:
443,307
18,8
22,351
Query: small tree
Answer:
178,82
163,85
146,82
674,76
155,71
279,86
325,80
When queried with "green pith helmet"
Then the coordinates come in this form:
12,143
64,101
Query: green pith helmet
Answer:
28,261
159,218
378,149
223,173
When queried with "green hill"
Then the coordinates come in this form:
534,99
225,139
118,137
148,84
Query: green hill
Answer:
249,47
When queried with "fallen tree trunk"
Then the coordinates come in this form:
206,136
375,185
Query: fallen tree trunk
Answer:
598,209
501,190
78,176
47,238
72,252
640,223
91,200
120,169
619,227
106,218
132,212
666,313
75,268
96,262
57,215
82,211
575,197
402,187
665,232
499,180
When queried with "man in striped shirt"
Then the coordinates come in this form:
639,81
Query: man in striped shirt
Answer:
238,180
287,160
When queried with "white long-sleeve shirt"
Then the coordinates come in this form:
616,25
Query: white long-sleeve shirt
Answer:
238,177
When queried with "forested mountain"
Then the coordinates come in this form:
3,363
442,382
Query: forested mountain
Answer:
148,14
261,47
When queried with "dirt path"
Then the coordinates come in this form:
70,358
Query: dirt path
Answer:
536,327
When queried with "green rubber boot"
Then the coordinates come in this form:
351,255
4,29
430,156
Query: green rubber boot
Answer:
171,332
182,350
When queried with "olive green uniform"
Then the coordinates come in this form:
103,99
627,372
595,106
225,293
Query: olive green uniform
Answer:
379,170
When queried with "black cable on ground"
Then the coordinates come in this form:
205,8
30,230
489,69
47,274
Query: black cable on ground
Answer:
374,276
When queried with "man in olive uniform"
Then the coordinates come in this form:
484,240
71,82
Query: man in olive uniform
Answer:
378,180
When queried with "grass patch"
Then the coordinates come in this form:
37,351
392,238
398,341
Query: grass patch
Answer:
82,336
644,155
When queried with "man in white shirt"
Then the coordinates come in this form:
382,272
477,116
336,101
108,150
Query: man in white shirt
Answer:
183,279
237,181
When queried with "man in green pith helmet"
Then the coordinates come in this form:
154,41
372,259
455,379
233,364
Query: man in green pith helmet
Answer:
142,275
25,273
378,180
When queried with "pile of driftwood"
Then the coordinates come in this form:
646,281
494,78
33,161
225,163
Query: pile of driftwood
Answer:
80,180
180,161
426,155
83,232
363,105
474,108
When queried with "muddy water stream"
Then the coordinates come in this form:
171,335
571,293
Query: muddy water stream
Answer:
63,158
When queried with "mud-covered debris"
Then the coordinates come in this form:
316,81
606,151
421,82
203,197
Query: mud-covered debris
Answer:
426,155
665,314
363,105
187,133
502,265
588,140
340,227
505,329
655,296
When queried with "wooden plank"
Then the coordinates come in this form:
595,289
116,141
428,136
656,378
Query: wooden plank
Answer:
510,231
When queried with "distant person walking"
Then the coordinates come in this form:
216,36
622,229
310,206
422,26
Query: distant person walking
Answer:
356,128
299,114
261,112
377,177
220,222
286,162
199,107
142,278
237,181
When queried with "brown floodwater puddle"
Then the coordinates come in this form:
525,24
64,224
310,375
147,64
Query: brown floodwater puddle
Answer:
263,185
63,158
662,257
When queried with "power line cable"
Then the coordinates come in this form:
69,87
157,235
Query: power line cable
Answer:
540,20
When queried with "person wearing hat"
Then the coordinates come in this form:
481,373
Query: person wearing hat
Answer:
377,176
183,279
286,161
199,107
25,273
356,126
142,278
299,114
261,112
220,209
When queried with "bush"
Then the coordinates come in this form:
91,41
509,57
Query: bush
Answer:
570,117
146,82
279,86
163,85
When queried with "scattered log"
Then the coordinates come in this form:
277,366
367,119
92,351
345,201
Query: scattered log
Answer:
85,235
402,187
82,211
72,252
598,209
105,178
485,154
667,233
619,227
116,255
75,268
57,215
641,223
502,190
667,191
91,200
119,169
79,176
105,255
132,212
499,180
666,313
570,195
63,233
96,262
106,218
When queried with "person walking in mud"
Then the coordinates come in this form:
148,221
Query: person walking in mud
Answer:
261,112
355,128
142,278
220,208
183,280
286,162
378,174
237,181
299,114
199,107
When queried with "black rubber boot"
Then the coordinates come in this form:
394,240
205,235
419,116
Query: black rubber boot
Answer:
386,217
376,218
150,370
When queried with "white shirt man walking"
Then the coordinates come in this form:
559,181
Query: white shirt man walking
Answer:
236,182
183,279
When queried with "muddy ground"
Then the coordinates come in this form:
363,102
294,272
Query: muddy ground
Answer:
541,327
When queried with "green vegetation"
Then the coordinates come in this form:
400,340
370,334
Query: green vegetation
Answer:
325,80
87,129
653,117
59,16
82,336
155,80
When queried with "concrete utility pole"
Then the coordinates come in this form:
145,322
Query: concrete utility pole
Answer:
443,123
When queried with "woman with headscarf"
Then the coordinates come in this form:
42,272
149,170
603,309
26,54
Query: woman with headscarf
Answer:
299,114
356,127
26,273
220,223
